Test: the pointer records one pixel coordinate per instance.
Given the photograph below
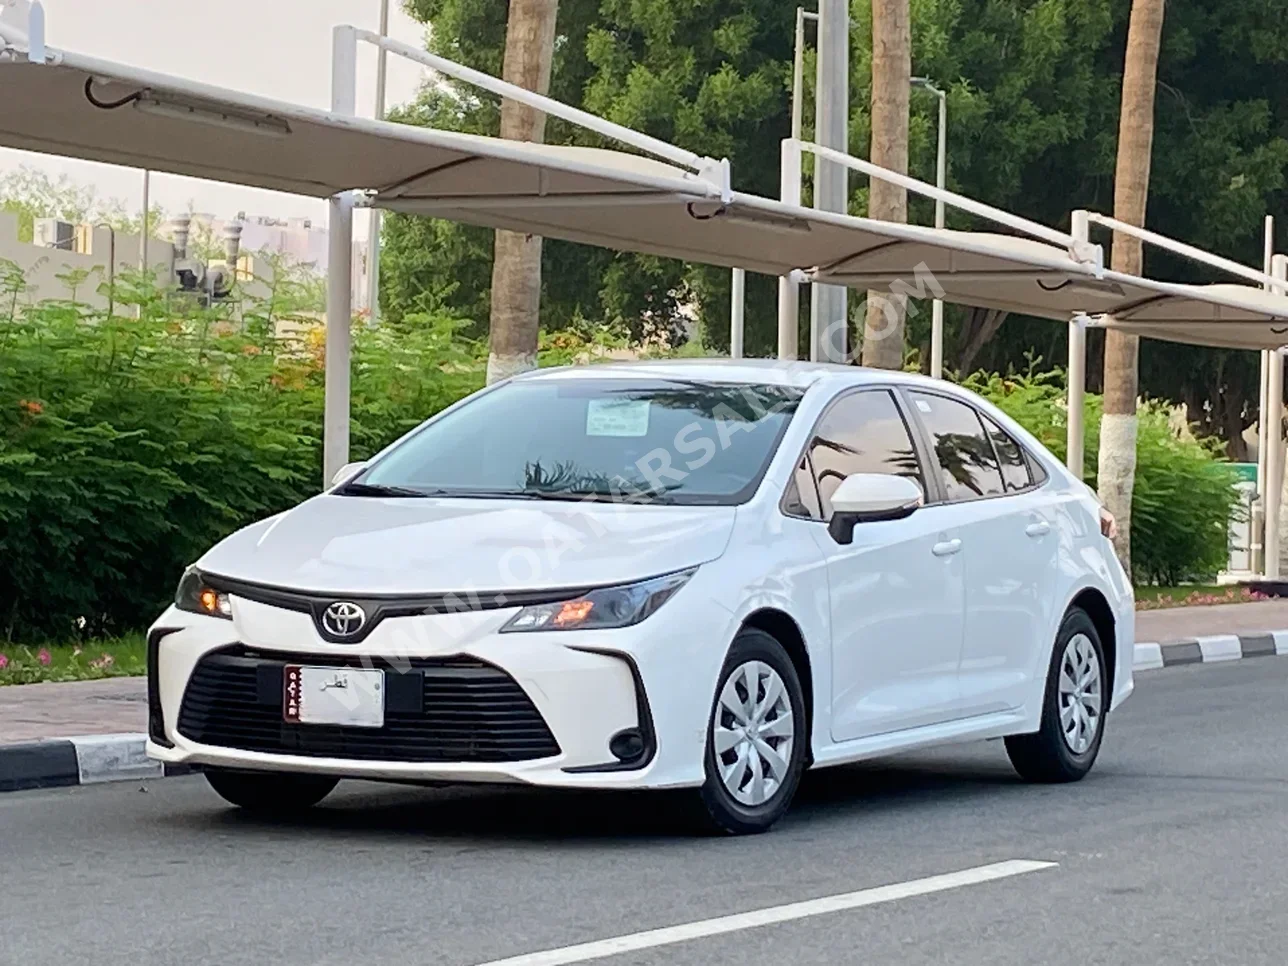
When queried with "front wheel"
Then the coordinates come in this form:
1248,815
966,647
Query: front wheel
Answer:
757,738
1073,709
270,793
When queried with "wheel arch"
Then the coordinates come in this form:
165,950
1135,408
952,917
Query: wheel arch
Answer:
783,628
1096,606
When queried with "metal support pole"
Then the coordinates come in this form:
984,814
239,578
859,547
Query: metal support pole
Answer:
1275,466
828,312
941,182
798,75
1257,525
789,290
737,313
377,216
1076,375
339,291
143,229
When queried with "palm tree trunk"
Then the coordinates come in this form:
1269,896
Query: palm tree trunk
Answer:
516,264
1117,464
891,74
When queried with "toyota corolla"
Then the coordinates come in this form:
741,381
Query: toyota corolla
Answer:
704,575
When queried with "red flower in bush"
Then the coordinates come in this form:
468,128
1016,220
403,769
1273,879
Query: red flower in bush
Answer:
4,662
44,657
31,406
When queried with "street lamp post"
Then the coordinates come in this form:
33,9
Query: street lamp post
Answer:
941,177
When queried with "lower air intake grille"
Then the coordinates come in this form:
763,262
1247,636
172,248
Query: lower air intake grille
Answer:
436,710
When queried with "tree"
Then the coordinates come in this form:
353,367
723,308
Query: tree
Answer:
883,334
31,193
1117,462
516,261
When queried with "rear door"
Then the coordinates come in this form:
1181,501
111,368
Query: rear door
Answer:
1008,548
896,592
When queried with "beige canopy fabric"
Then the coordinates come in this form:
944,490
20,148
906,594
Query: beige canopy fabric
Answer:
607,198
1218,316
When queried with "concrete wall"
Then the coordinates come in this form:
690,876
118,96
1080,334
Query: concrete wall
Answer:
42,266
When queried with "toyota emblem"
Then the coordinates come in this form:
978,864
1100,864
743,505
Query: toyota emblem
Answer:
344,618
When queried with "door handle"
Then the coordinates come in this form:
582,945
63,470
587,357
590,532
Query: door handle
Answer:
946,548
1040,529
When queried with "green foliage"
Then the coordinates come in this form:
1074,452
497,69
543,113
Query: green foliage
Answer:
1184,495
87,661
129,446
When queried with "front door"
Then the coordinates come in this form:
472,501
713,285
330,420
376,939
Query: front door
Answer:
897,592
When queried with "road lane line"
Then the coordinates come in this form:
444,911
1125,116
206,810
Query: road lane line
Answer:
633,942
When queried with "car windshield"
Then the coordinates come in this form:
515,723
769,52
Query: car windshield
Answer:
624,440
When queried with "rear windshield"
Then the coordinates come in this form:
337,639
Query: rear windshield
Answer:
646,441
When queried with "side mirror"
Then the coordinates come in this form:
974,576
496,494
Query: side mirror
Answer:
869,498
348,471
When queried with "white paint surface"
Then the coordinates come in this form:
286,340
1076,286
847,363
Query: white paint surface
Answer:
1147,657
110,758
1281,641
1222,647
704,928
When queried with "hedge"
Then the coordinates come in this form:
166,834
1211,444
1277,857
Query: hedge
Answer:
130,445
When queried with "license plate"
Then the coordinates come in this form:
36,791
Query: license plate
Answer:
333,696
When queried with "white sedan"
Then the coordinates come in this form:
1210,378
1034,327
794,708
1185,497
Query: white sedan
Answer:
707,575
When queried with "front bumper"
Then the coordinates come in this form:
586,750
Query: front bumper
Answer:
584,687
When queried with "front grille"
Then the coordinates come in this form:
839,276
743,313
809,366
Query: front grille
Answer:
436,710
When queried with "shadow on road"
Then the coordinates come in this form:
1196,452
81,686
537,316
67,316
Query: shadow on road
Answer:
499,814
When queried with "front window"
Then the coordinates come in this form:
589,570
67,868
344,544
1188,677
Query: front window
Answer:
650,441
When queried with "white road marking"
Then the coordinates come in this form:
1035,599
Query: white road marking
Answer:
583,952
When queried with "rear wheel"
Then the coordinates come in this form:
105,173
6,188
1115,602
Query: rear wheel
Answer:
1073,709
757,738
270,793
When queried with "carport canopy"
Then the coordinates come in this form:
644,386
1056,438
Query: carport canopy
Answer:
79,106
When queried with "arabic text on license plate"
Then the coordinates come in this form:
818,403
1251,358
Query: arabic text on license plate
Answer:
334,696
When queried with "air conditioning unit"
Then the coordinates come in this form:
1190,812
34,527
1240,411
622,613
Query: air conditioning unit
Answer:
54,233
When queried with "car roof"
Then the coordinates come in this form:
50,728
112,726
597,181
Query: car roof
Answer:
760,372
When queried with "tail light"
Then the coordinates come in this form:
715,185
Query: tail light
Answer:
1108,525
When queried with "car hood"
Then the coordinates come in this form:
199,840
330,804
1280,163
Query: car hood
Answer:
364,545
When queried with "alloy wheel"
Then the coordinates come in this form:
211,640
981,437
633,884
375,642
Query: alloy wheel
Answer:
753,733
1081,703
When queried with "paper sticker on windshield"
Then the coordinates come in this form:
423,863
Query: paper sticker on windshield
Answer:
923,406
617,417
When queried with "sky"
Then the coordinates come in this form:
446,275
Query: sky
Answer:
276,48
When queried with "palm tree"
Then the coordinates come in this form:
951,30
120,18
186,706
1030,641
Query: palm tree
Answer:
1117,462
891,76
516,266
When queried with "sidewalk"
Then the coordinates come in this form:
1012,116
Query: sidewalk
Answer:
119,705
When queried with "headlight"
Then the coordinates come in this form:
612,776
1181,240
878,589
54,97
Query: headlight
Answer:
197,597
600,609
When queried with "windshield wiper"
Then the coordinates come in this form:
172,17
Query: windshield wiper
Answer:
377,489
606,495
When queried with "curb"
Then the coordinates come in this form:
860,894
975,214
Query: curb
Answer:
92,759
1210,650
83,760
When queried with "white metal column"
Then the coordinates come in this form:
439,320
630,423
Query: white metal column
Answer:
737,313
339,288
828,313
941,182
789,289
1076,375
1275,449
1257,525
377,216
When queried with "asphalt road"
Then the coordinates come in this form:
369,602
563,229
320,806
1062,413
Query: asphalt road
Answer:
1175,851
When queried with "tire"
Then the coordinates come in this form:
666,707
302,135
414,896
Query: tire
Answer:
270,793
1057,753
757,654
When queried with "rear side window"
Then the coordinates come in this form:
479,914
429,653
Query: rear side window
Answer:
1015,468
968,465
861,433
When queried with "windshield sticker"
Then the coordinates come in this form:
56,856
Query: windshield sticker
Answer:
923,406
617,417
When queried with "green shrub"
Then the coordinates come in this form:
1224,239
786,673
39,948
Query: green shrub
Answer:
129,446
1184,495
